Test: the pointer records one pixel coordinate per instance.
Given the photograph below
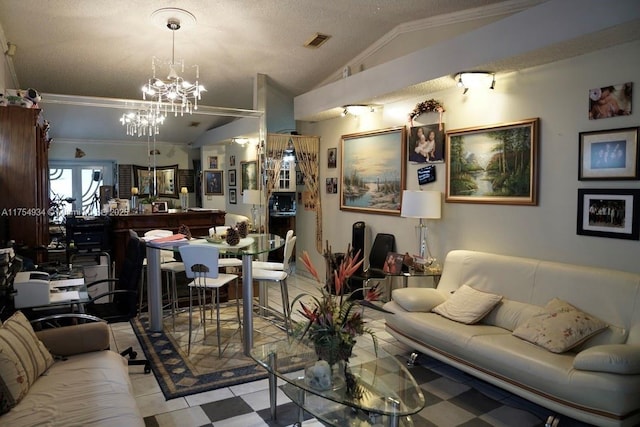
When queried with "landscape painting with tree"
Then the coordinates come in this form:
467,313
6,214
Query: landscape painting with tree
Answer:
372,171
494,164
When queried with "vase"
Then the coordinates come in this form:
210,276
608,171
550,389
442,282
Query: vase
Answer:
332,349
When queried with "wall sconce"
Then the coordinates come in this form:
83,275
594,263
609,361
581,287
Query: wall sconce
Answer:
240,141
356,109
475,79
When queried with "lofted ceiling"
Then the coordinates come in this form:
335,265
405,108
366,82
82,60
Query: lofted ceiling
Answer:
84,50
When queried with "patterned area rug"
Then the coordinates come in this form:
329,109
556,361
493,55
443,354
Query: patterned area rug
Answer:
202,370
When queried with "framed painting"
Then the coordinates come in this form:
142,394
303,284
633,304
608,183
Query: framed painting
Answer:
372,171
426,144
213,181
609,154
610,213
213,162
233,197
493,164
165,180
232,177
249,175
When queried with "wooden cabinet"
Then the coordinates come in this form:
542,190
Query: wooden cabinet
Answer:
198,223
24,179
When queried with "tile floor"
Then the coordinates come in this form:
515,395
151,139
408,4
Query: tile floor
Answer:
247,405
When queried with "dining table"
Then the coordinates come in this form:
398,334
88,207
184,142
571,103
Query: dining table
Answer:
253,245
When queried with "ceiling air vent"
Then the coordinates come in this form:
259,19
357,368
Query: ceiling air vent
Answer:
316,40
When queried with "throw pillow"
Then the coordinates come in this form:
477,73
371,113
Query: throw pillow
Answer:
418,299
18,339
467,305
560,328
13,381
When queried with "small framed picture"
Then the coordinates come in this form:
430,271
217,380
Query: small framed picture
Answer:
213,180
332,154
610,213
299,178
232,160
610,101
213,162
332,185
609,154
232,177
159,207
233,198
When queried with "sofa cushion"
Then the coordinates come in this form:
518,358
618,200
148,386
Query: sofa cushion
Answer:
560,328
510,314
23,359
614,358
418,299
467,305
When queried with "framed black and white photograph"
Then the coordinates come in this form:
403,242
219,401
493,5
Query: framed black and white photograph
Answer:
232,177
332,185
609,213
213,180
610,101
609,155
332,155
233,198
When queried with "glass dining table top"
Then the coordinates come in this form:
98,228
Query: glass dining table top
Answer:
253,244
383,385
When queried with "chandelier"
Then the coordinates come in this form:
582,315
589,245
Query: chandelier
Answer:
143,122
173,93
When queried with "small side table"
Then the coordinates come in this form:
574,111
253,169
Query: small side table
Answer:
434,274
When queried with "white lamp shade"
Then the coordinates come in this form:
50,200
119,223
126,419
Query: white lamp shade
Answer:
252,197
421,204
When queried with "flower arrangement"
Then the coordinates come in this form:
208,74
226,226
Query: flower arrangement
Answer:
332,323
428,106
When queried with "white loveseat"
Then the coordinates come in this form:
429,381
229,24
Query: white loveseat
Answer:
597,381
86,385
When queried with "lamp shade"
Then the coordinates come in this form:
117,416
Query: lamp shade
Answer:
252,197
421,204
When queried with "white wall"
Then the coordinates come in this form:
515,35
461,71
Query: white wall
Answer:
557,94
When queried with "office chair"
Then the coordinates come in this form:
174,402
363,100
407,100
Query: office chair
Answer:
123,304
382,245
201,265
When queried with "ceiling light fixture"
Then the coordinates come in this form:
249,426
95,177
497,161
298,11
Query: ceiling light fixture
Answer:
240,141
142,122
475,79
174,93
356,109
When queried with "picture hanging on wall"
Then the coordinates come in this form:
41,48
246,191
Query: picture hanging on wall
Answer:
249,175
610,101
332,185
332,154
232,177
609,155
233,196
213,180
426,144
493,164
610,213
213,162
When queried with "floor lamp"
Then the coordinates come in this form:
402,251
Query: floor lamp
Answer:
423,205
253,197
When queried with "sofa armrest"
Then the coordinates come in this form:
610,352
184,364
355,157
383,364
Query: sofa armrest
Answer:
76,339
613,358
418,299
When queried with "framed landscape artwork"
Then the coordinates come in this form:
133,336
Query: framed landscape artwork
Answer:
610,213
372,171
609,155
249,175
493,164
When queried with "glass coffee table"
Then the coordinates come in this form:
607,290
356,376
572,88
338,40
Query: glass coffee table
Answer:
386,394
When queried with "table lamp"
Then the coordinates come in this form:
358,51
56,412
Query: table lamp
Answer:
423,205
252,197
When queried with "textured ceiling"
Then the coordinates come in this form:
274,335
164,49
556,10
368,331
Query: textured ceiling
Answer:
104,49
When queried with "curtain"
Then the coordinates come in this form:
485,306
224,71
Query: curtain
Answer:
276,144
307,149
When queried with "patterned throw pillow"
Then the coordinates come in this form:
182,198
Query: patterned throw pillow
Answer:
560,328
467,305
23,358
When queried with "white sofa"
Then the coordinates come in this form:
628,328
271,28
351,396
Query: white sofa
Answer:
597,382
86,386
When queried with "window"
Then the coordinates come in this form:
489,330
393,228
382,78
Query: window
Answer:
74,186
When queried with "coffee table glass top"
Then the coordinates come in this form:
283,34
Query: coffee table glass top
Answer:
384,386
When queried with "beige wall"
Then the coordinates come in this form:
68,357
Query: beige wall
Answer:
557,94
